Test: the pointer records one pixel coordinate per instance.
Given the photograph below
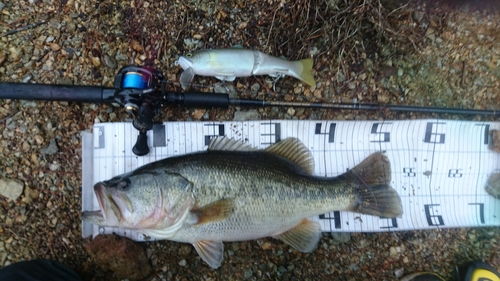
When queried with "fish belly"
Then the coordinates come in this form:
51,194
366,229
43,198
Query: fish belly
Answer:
246,223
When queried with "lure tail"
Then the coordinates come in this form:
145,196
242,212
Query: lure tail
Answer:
302,71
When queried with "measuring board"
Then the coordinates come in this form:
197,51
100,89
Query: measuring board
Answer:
439,167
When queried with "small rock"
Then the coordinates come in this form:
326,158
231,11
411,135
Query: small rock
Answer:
112,116
120,255
51,148
26,78
110,62
493,186
25,146
15,53
255,87
430,34
183,263
2,5
341,237
29,195
70,27
136,46
11,189
248,273
495,140
383,97
418,16
251,114
65,81
197,113
54,166
55,47
393,252
353,267
267,245
226,88
96,61
399,272
388,71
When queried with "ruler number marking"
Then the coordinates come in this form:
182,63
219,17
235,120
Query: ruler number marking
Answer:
275,136
381,136
393,223
481,211
455,173
433,220
409,172
330,132
218,131
335,218
432,135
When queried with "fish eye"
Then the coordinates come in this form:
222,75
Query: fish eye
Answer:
123,184
189,55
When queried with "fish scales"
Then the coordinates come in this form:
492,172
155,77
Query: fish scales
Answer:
234,193
264,186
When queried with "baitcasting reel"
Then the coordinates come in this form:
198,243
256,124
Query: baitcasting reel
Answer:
140,90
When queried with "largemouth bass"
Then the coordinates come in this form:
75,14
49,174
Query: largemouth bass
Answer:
232,192
227,64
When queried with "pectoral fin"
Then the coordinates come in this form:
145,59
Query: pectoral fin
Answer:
211,252
213,212
304,237
187,77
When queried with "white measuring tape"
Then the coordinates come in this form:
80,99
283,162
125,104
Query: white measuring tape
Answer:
439,167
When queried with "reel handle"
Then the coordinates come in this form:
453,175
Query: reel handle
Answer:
141,147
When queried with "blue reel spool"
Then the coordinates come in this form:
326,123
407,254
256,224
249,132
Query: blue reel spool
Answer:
135,80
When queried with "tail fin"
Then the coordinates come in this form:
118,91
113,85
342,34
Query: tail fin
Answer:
303,71
375,196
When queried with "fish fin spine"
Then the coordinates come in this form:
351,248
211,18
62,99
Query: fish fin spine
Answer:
212,252
295,151
303,237
228,144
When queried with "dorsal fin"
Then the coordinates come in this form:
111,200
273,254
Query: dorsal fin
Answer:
227,144
294,150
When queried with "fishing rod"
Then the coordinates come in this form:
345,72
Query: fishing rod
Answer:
142,92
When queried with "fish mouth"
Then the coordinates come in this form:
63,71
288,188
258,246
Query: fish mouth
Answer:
109,209
94,217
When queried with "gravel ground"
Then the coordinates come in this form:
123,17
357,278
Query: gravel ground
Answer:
365,51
